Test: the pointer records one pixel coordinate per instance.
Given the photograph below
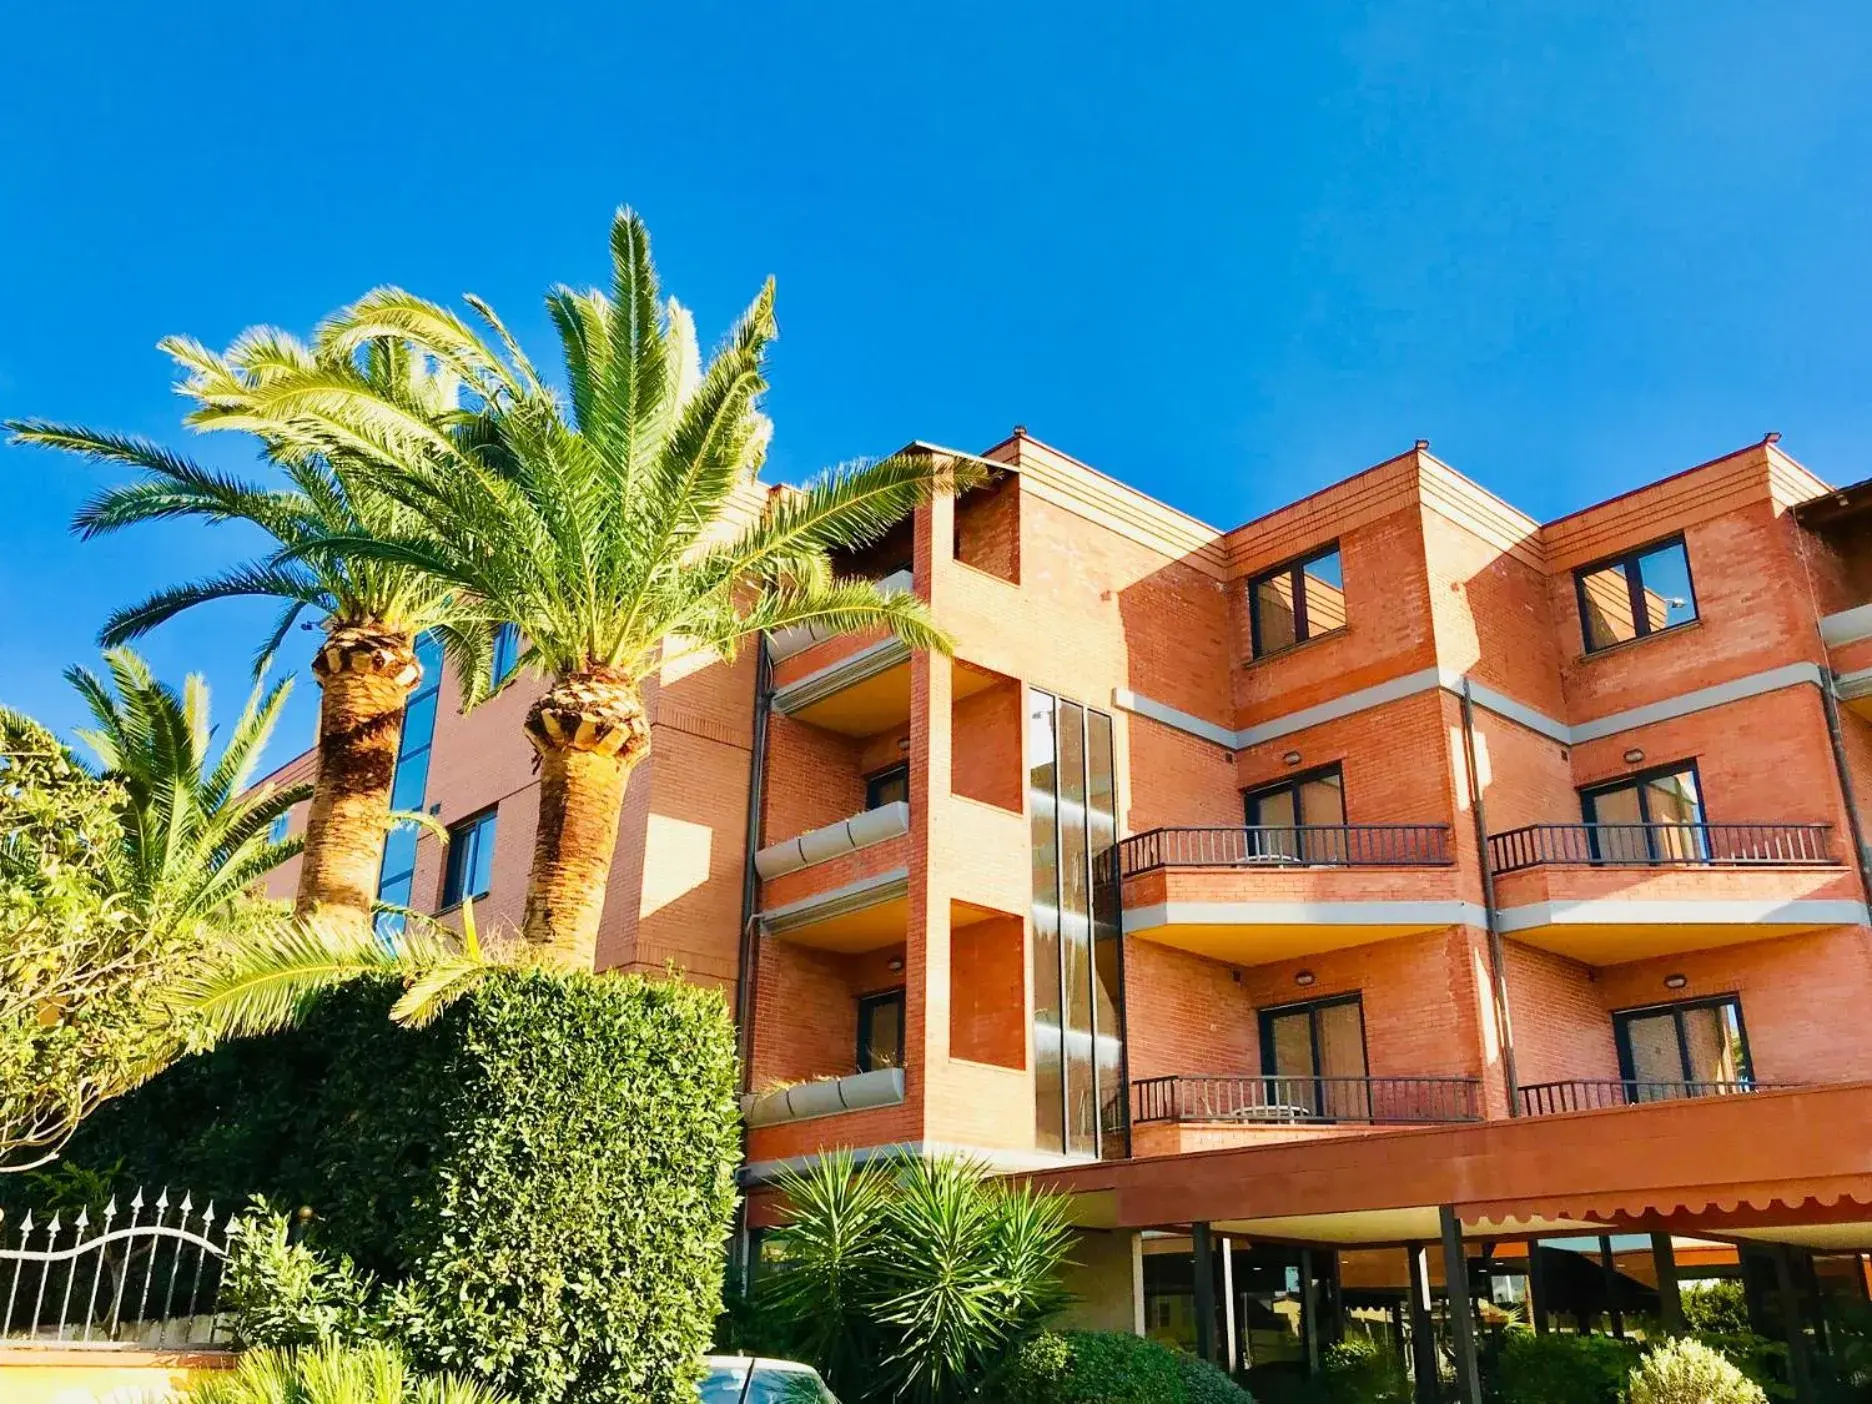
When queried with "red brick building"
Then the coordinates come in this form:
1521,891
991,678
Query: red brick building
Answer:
1391,872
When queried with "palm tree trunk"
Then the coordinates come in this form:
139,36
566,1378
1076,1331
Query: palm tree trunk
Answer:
365,674
590,732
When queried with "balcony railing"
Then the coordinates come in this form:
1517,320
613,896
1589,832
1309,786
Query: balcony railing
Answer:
1277,1100
1307,845
1660,845
1581,1094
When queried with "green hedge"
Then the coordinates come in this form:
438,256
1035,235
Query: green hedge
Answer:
1109,1367
545,1176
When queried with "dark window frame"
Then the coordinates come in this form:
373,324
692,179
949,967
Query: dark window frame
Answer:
1295,568
1627,561
453,860
1264,1022
879,778
1621,1034
869,1003
1637,780
1294,783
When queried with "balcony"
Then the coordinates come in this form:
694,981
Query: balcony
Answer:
1580,1094
1253,895
1608,893
1185,1113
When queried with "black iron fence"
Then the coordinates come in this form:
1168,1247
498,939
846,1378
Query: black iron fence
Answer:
1276,1100
1587,1094
149,1274
1305,845
1655,845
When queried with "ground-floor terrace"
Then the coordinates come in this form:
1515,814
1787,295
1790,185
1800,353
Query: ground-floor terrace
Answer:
1626,1221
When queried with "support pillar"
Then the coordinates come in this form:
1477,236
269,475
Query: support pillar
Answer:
1309,1313
1203,1252
1609,1270
1422,1335
1800,1367
1670,1300
1229,1352
1537,1287
1461,1309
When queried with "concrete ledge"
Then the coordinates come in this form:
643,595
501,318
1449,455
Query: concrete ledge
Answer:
834,840
882,1087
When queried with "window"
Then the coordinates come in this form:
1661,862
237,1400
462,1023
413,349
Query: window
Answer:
469,875
1642,592
1313,1058
506,652
396,876
279,828
1297,602
1301,818
1655,816
887,787
881,1031
1695,1048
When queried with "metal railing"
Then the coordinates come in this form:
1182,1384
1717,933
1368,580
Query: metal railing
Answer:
1588,1094
148,1281
1660,845
1306,845
1277,1100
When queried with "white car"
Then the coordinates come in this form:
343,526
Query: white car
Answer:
741,1379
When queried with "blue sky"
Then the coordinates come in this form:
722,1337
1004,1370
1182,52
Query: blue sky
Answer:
1227,254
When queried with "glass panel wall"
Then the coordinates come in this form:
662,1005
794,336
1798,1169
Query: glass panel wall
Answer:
1077,954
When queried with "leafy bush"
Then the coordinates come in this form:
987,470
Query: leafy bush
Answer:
542,1180
1761,1359
335,1374
1364,1370
1558,1369
1717,1305
916,1281
1689,1372
282,1293
1110,1367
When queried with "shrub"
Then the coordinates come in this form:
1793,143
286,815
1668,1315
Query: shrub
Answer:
1689,1372
1759,1358
542,1180
282,1293
916,1281
1365,1370
1716,1305
335,1374
1109,1367
1557,1369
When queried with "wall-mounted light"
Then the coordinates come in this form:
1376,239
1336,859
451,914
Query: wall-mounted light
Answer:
1305,977
1633,756
1291,758
903,746
1676,982
894,964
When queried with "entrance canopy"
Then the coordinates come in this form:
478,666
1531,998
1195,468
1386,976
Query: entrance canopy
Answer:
1791,1166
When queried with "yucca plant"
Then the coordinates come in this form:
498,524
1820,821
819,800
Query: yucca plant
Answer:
335,1373
915,1282
616,527
372,610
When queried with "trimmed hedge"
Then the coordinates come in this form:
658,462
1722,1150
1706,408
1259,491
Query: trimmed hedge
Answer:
1110,1367
545,1177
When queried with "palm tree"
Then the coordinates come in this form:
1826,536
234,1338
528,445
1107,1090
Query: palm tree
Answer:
615,528
196,835
373,609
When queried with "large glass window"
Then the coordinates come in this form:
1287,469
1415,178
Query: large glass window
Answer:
469,872
396,878
1639,593
1692,1048
1653,816
506,652
1078,1014
881,1031
1296,602
1313,1058
1302,818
